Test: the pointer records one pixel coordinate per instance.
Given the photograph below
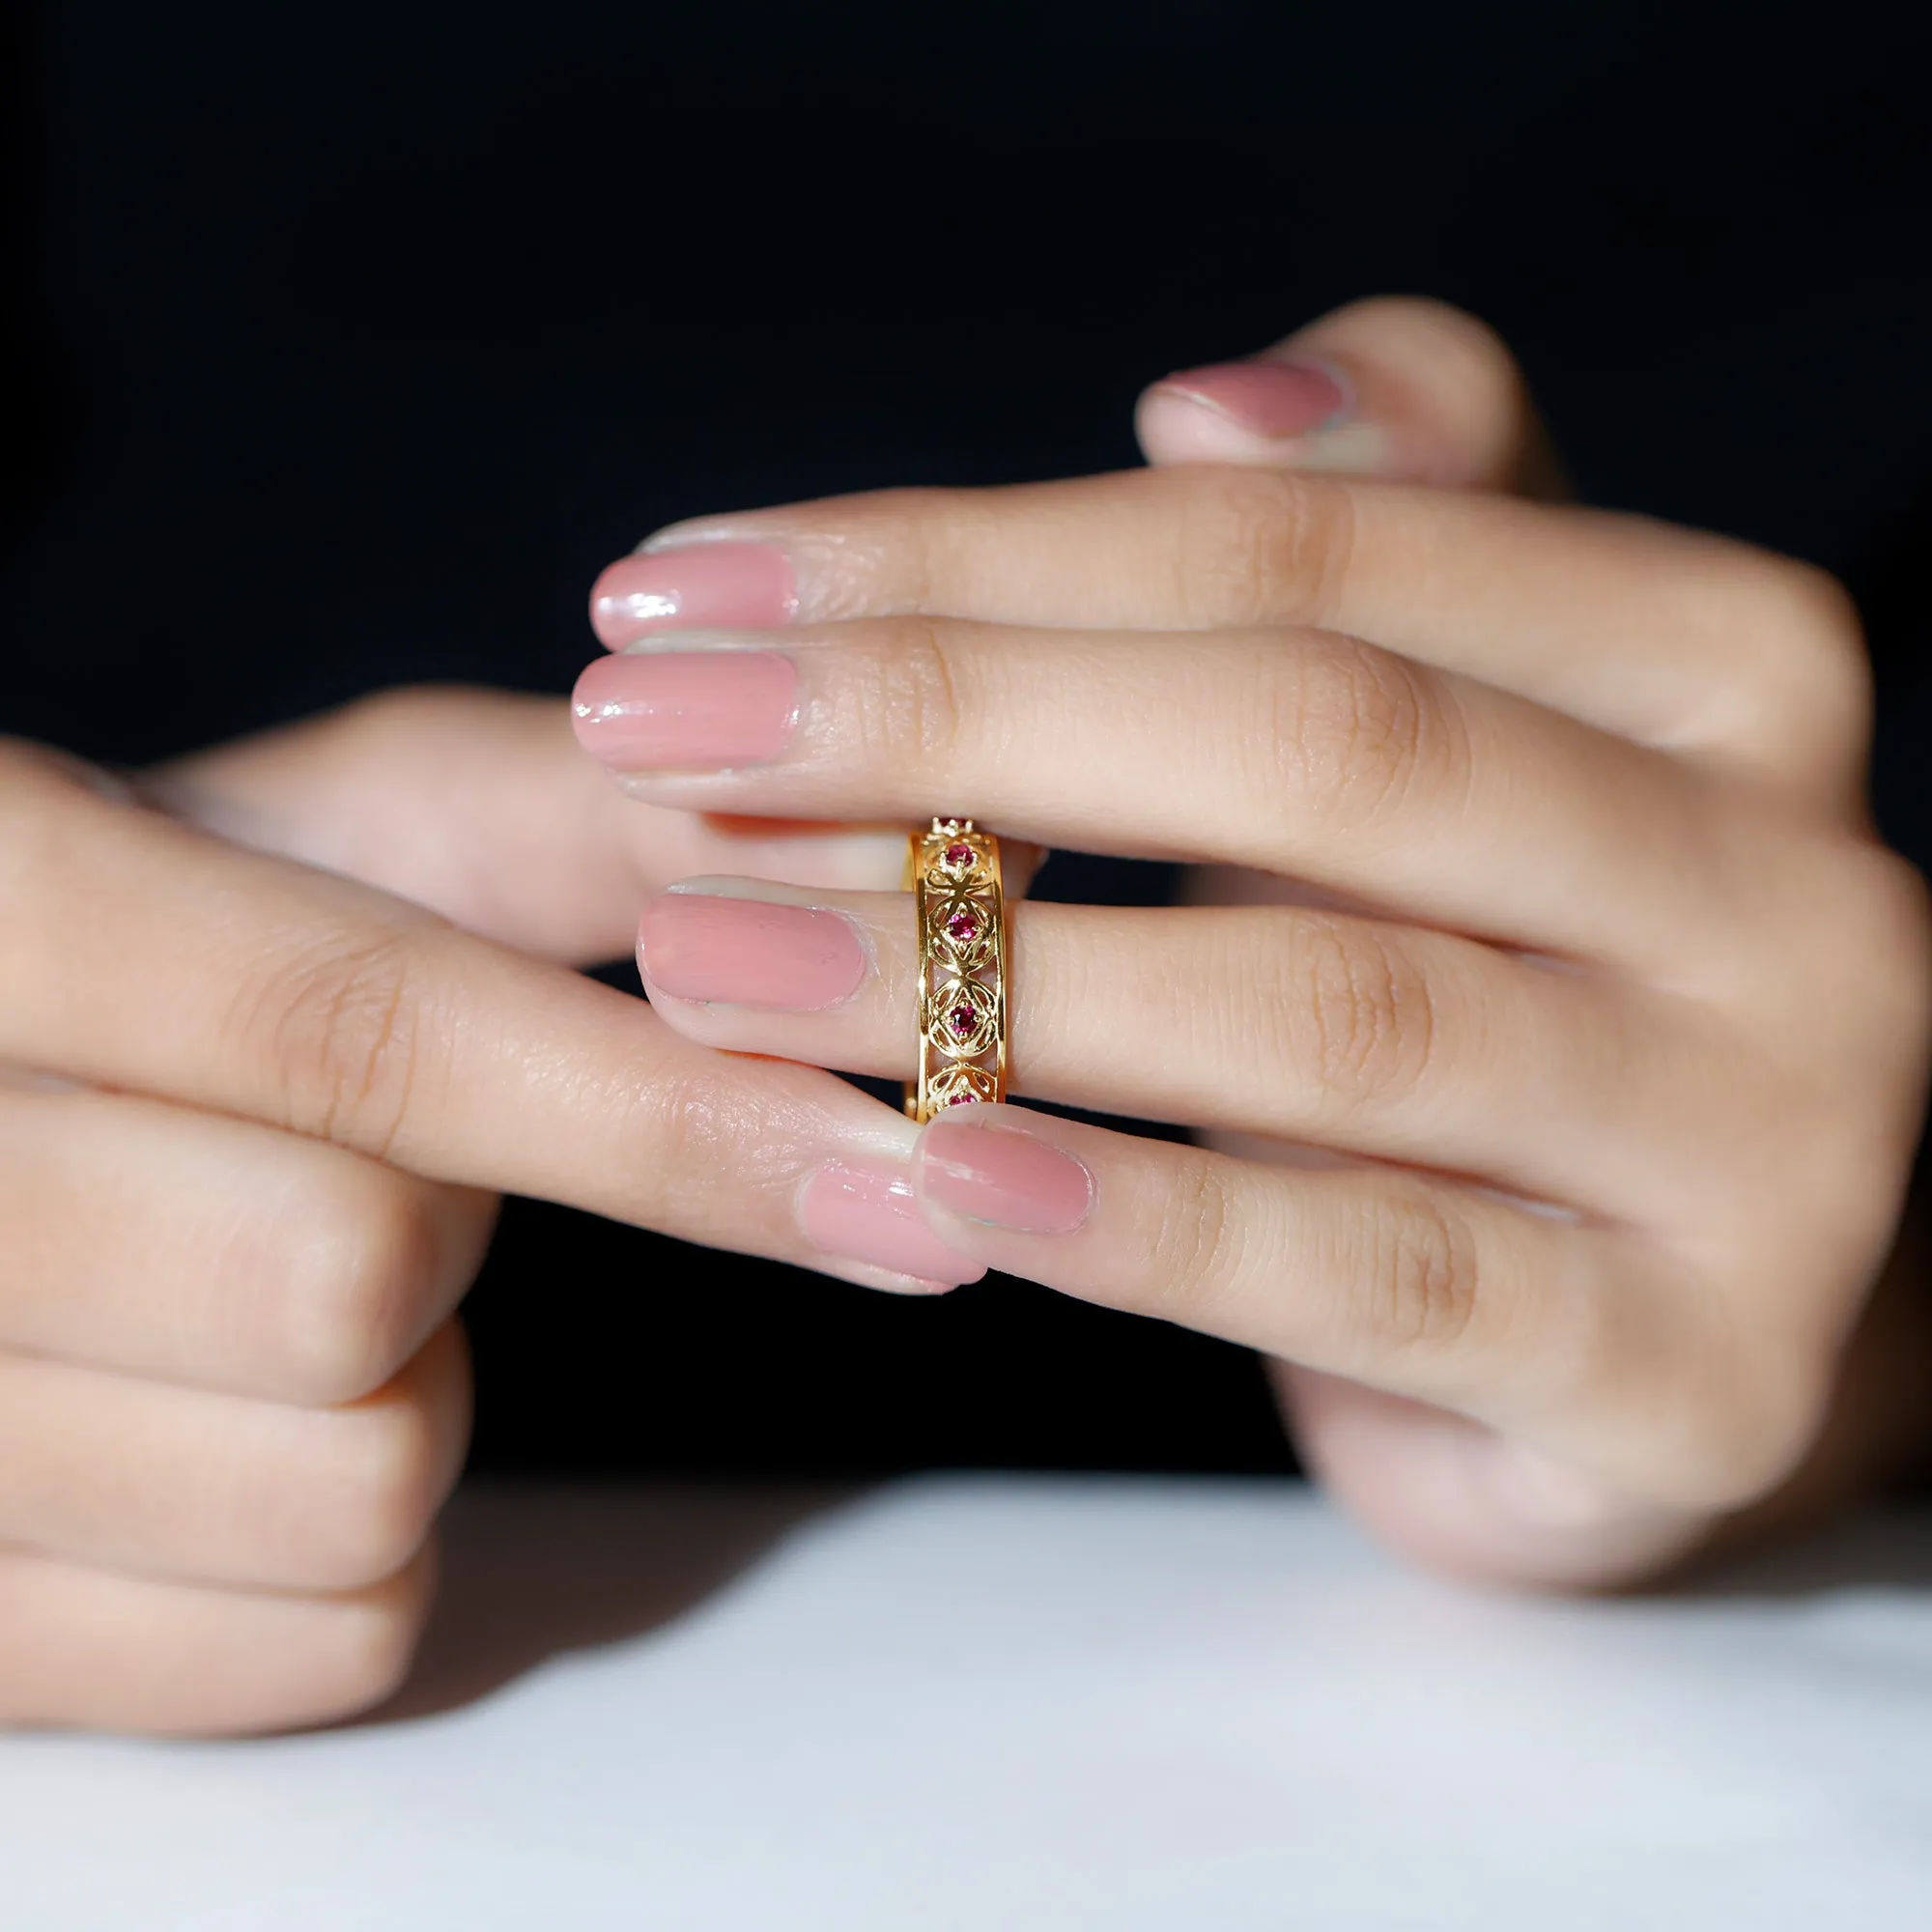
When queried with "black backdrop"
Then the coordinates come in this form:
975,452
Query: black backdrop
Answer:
349,339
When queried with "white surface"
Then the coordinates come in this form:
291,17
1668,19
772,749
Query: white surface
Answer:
1009,1705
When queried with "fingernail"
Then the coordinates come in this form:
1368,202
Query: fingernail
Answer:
870,1215
1292,397
749,952
715,585
685,710
1001,1174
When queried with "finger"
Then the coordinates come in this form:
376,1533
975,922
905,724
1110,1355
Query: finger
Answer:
244,985
148,1477
1395,387
1467,1500
1308,755
212,1252
1662,634
102,1650
476,803
1582,1342
1306,1025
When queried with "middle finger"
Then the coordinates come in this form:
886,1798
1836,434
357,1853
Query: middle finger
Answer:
190,1247
1300,753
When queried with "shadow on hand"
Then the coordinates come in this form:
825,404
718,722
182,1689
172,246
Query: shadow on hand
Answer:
532,1570
1877,1549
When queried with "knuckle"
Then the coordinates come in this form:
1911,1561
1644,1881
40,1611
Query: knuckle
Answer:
1825,647
1898,913
399,715
924,521
1734,1441
364,1268
1350,1010
42,804
374,1500
1714,1386
1807,645
1256,546
1353,735
341,1022
913,707
1867,998
1421,1275
365,1654
1194,1243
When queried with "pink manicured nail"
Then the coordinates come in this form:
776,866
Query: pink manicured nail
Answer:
870,1215
1275,399
1002,1176
721,585
685,710
749,953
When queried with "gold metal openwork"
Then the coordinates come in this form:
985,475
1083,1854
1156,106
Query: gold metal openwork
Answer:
953,873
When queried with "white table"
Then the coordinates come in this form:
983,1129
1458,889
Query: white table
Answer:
1008,1704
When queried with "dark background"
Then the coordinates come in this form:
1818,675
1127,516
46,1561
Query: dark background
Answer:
348,340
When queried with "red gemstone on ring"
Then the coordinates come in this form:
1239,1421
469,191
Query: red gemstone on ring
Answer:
963,925
959,855
961,1099
962,1020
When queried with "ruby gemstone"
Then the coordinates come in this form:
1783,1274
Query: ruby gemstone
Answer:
961,1099
959,855
963,1021
963,925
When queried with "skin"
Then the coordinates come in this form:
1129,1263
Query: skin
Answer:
1536,896
254,1125
281,1025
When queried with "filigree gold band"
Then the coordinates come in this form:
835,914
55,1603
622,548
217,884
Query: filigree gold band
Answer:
953,873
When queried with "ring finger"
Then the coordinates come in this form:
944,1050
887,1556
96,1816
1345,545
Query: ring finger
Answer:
1310,1025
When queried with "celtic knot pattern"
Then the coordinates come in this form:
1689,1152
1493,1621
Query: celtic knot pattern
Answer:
953,872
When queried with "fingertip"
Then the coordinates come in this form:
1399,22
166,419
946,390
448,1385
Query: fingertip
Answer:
865,1215
1252,411
1432,395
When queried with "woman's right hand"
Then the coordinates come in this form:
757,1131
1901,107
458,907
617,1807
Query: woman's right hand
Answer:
254,1116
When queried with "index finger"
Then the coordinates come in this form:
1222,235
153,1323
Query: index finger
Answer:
137,952
1666,636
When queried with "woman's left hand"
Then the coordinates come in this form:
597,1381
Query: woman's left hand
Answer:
1559,1032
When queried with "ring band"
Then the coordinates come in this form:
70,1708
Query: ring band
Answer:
954,872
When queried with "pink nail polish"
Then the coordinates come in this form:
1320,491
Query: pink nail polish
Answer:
870,1215
749,953
1268,398
685,710
721,585
1002,1176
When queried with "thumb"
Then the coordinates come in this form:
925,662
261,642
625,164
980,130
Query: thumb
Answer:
480,806
1394,387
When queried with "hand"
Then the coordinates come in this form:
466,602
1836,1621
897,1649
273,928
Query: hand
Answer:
251,1136
1569,1018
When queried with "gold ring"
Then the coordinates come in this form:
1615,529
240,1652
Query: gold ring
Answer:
953,873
